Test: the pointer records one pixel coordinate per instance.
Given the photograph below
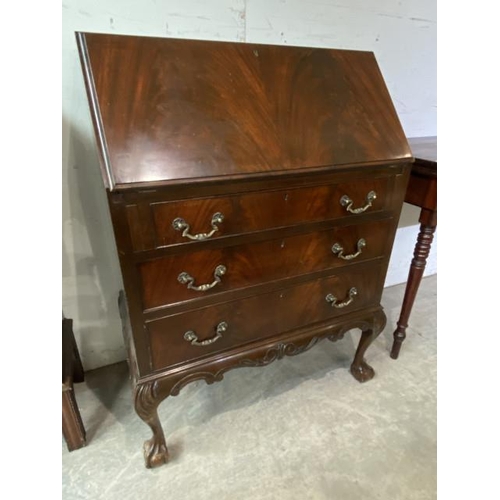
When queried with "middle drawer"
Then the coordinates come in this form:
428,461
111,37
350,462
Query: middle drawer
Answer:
193,275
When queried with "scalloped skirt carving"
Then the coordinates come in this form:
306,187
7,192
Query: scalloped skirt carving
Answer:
150,393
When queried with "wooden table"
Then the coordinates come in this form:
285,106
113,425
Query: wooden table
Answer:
422,192
72,371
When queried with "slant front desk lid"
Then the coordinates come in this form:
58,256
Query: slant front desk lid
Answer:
170,110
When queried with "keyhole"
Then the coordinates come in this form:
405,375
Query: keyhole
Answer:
283,244
286,197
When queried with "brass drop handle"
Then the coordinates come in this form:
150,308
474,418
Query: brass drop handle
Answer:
180,224
187,279
338,250
346,202
332,300
191,336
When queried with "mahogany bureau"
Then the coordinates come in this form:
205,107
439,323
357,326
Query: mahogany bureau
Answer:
254,192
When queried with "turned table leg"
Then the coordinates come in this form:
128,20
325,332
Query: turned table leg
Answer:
428,222
146,405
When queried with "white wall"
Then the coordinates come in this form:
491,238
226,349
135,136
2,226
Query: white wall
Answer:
401,33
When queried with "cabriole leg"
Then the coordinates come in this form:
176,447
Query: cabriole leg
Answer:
360,369
146,406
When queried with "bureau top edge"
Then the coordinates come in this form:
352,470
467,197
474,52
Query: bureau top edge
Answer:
172,110
274,176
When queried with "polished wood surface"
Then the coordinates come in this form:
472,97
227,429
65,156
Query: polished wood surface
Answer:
422,192
272,138
264,210
211,109
422,186
257,263
255,318
151,211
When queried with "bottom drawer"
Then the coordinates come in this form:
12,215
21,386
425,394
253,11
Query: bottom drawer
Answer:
211,330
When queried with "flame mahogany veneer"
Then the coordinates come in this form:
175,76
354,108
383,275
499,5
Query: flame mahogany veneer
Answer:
254,192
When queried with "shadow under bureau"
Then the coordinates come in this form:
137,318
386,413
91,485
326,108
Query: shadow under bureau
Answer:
254,192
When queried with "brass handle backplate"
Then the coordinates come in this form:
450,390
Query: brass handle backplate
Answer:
187,279
191,336
346,202
332,300
338,250
181,225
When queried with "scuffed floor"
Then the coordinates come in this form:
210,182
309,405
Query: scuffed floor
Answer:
300,428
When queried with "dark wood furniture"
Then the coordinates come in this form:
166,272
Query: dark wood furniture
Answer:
422,192
72,371
254,192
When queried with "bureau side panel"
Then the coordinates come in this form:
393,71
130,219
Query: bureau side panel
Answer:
399,183
140,348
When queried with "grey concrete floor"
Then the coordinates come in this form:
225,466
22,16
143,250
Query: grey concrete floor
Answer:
300,428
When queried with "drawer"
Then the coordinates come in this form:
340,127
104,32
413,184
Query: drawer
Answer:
173,339
152,225
220,270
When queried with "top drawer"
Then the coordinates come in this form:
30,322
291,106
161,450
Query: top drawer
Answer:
161,224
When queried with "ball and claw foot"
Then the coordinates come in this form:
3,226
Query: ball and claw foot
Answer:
155,454
362,372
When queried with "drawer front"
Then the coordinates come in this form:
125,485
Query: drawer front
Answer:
235,323
250,212
194,275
